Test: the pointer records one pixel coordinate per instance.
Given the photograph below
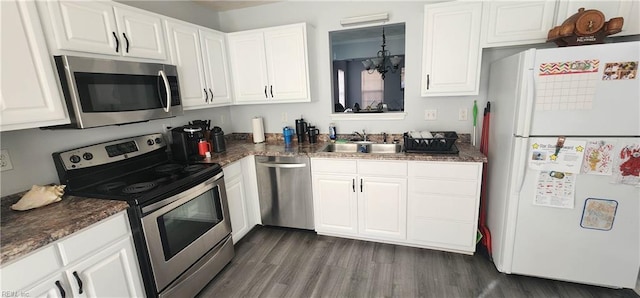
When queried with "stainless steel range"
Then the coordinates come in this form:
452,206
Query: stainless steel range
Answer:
178,212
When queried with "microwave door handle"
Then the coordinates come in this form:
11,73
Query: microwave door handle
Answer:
167,88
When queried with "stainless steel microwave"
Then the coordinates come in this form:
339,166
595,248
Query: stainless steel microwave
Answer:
103,92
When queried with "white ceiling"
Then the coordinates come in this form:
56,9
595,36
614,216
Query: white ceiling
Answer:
224,5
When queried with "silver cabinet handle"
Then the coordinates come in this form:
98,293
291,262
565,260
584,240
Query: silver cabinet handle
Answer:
168,88
282,165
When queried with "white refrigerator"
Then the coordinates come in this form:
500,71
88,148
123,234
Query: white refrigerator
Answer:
565,216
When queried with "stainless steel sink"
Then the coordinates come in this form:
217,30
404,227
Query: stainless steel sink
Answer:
363,148
345,148
384,148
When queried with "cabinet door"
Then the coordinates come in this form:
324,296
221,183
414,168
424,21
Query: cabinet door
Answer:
237,201
29,94
514,23
451,49
629,10
141,35
184,44
335,204
216,68
382,207
286,54
86,26
113,272
56,286
249,67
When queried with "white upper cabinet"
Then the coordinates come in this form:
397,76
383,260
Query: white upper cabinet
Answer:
451,49
216,67
103,28
513,22
200,55
270,65
29,94
629,10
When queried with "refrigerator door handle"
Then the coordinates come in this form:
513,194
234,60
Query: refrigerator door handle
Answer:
527,118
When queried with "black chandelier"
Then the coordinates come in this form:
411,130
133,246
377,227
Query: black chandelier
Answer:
379,63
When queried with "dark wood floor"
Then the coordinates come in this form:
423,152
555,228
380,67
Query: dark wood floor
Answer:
279,262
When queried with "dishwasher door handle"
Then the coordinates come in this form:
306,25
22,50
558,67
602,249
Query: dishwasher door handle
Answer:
282,165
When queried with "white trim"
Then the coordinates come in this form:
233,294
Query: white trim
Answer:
365,19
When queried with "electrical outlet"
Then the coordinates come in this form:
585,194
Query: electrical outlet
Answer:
430,115
284,117
5,160
463,114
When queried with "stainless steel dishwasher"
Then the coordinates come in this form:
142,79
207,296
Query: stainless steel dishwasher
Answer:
284,191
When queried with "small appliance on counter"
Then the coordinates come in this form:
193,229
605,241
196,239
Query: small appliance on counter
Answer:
217,139
313,134
185,142
301,129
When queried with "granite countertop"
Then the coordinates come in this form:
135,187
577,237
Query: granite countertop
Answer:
238,148
26,231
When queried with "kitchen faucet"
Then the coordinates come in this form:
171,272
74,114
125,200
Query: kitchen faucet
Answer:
363,136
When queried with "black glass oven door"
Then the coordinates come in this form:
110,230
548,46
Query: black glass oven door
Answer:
185,224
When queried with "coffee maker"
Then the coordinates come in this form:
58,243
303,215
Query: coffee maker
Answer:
185,142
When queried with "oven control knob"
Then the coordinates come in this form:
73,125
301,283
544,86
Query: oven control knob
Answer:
74,158
87,156
150,142
158,141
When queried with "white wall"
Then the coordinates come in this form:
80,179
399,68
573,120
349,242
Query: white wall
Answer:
324,17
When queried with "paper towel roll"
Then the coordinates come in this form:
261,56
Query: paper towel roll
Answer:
258,130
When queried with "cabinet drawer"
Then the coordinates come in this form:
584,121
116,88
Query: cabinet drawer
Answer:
342,166
444,187
457,170
442,232
442,207
383,168
28,270
94,238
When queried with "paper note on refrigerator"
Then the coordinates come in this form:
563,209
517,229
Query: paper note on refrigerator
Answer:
598,158
567,85
555,189
598,214
626,168
543,155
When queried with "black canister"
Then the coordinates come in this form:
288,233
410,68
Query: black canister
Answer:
313,134
217,138
301,130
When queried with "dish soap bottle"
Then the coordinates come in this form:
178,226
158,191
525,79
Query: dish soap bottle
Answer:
332,131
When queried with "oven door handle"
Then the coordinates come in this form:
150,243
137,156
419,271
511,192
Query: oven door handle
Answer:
167,88
282,165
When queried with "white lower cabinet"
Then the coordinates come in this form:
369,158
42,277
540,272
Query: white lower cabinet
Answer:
423,204
99,261
443,204
360,198
242,196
